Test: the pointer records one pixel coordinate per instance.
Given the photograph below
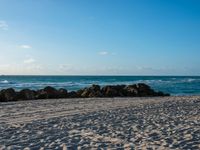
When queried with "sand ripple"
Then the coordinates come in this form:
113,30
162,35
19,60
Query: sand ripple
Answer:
109,123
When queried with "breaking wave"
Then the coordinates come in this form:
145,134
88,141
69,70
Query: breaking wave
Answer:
4,81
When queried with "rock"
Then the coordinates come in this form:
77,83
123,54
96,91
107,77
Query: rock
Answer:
141,90
79,92
41,94
95,94
131,90
144,90
51,92
72,94
160,94
95,87
47,92
93,91
113,91
120,90
109,91
167,94
8,95
26,94
85,93
63,93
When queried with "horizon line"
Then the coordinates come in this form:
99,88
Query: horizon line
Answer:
98,75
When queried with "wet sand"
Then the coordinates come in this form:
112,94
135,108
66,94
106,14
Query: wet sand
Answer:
101,123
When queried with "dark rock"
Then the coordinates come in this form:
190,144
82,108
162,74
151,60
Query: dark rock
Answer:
95,94
41,94
85,92
109,91
95,87
7,95
143,87
160,93
51,92
131,90
26,94
79,92
166,94
113,91
47,92
72,94
93,91
120,90
144,90
63,93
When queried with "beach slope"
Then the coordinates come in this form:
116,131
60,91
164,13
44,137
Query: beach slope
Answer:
112,123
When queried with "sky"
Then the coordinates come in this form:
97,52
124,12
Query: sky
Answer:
100,37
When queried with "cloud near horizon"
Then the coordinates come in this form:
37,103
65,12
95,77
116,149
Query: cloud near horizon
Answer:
3,25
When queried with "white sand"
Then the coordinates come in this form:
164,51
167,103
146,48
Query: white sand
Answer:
167,122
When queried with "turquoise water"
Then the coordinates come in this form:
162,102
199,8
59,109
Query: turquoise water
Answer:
175,85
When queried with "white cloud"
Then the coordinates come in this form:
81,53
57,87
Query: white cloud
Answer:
3,25
29,61
103,53
25,46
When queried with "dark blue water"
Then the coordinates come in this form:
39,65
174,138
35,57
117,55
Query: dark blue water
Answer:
175,85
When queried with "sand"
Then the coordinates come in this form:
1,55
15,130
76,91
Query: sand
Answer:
101,123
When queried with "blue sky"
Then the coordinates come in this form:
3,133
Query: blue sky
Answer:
100,37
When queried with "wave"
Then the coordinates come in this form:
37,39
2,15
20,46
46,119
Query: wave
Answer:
100,82
192,80
4,82
43,84
187,80
173,81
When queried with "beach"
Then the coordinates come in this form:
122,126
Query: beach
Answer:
99,75
101,123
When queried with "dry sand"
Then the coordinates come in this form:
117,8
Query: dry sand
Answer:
101,123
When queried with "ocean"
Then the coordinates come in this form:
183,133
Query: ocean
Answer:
175,85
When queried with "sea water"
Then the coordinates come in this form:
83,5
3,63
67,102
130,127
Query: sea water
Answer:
175,85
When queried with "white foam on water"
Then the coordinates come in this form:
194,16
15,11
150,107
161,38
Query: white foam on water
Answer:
4,81
191,80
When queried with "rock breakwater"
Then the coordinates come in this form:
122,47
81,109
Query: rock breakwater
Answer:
134,90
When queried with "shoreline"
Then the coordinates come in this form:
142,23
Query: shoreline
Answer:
99,98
